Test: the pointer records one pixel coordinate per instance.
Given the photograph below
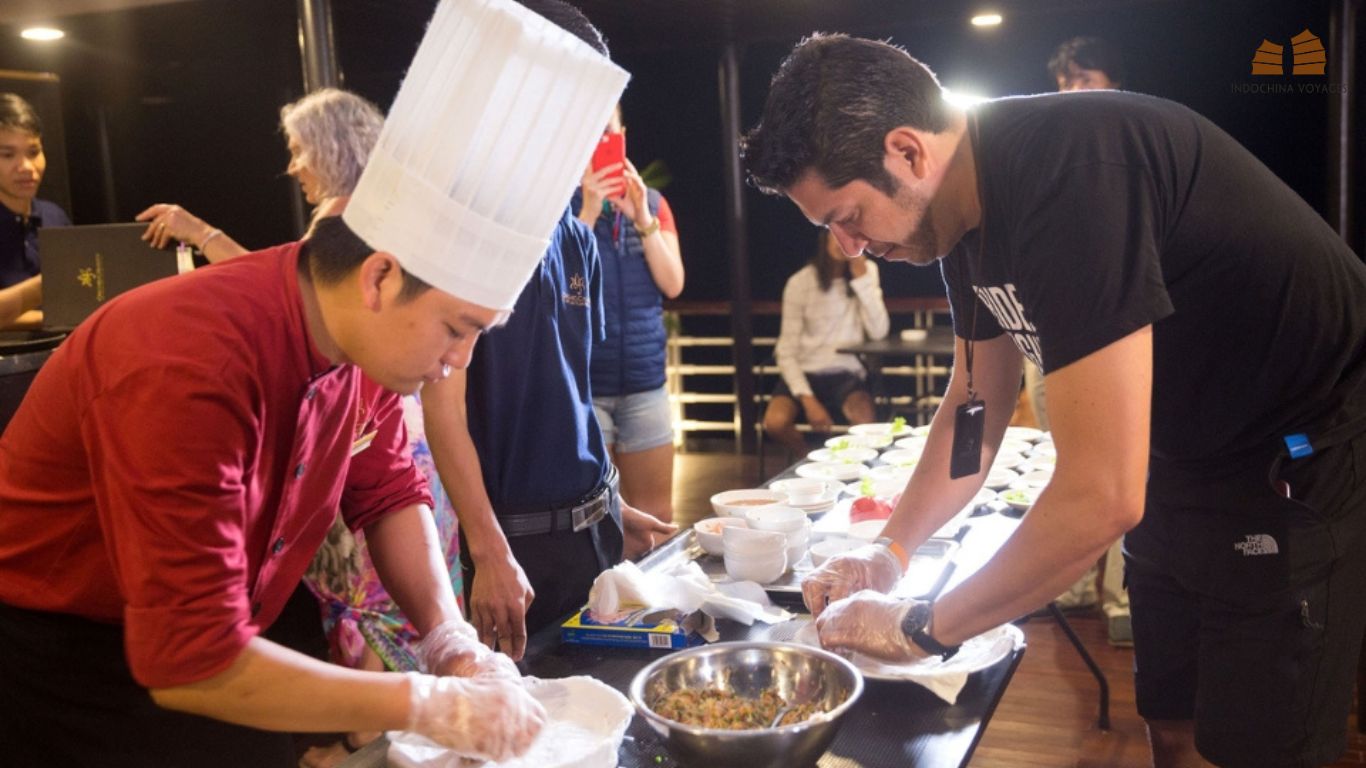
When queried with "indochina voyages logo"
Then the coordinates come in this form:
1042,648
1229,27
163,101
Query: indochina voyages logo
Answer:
1307,60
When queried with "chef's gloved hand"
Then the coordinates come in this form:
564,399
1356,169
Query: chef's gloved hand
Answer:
489,718
453,648
870,623
868,567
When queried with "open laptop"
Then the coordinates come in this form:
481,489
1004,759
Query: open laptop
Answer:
85,266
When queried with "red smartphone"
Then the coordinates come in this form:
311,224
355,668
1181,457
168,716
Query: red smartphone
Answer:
611,149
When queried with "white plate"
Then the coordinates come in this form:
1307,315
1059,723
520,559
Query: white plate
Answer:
1036,479
883,428
832,470
847,455
901,457
1021,498
913,443
1027,434
1016,445
1044,451
1000,478
1007,460
841,442
976,654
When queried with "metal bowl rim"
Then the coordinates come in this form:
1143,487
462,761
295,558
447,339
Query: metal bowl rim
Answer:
638,685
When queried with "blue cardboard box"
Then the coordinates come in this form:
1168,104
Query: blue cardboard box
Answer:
638,629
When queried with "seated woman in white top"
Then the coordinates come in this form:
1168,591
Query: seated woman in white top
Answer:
832,302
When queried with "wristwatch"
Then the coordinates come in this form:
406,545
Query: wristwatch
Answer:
916,626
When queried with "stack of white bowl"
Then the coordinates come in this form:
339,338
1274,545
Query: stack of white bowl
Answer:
789,521
754,555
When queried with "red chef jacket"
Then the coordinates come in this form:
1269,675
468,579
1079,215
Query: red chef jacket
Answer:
178,460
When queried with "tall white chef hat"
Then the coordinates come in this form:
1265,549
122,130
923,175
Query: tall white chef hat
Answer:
485,143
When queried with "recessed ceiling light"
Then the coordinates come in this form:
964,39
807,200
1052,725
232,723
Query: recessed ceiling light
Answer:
42,34
986,20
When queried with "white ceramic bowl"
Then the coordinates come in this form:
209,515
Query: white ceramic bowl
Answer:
1037,479
824,550
901,457
1021,498
858,441
847,455
1028,434
746,542
998,479
804,491
1007,460
831,470
866,530
738,502
784,519
881,428
708,532
760,568
913,443
1015,445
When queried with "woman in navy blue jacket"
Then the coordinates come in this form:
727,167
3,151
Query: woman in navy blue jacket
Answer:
642,265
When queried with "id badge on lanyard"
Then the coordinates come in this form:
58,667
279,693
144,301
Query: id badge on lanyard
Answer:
969,422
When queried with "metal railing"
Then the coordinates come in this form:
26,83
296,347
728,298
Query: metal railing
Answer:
700,376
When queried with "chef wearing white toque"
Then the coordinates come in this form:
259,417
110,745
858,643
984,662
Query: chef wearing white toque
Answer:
162,503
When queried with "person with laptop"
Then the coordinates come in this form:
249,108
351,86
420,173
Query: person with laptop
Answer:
181,456
22,164
329,134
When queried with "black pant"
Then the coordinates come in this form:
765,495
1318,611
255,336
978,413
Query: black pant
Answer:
67,698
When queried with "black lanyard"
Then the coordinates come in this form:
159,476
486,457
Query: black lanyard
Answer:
969,423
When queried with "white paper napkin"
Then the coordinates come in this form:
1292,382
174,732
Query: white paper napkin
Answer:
587,720
683,587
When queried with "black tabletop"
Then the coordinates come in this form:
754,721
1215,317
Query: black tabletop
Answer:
893,723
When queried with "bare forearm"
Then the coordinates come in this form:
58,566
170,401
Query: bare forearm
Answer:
931,497
20,298
665,261
1056,542
220,247
457,462
408,557
271,687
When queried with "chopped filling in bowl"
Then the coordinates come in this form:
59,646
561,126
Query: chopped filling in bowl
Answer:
710,708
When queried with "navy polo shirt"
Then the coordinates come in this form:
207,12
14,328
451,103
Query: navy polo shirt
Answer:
19,240
527,397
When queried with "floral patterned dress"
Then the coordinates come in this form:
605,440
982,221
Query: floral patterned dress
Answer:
356,610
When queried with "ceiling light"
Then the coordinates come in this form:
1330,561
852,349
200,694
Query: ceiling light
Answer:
42,34
986,20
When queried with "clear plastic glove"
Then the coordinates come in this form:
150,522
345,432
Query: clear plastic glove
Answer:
870,623
492,719
870,567
453,648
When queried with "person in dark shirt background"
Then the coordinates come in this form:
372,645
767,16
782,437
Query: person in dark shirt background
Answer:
22,164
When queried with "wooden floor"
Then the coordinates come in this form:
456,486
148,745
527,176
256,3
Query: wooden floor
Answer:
1047,718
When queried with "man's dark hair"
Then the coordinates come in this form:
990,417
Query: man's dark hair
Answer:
18,115
571,20
333,251
1088,53
830,107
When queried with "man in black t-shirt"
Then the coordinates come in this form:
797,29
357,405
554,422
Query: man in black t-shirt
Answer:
1201,330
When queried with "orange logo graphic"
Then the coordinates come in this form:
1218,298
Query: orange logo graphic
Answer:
1308,56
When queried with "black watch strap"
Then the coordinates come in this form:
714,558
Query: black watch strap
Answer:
916,626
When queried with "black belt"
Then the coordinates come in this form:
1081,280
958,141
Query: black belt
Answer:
578,516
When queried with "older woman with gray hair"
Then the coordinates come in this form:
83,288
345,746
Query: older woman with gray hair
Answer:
330,133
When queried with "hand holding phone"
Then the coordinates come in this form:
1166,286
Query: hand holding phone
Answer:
611,150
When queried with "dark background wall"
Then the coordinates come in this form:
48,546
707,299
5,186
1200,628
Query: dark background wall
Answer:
179,102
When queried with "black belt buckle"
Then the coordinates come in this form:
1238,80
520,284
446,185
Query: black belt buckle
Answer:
587,514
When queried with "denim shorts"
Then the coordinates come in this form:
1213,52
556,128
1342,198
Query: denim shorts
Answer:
635,422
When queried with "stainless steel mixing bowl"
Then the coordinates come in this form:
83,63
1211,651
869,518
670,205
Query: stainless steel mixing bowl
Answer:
798,673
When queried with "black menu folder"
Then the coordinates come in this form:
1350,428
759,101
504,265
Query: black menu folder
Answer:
85,266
